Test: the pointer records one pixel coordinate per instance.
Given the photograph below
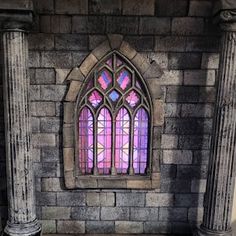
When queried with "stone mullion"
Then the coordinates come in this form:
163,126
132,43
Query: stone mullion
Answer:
22,215
218,204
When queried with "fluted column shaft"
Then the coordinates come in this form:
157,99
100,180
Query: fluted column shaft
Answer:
220,181
21,204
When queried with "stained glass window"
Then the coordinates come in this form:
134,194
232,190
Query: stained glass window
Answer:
114,121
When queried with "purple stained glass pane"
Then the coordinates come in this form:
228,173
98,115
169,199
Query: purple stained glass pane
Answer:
124,79
109,62
114,95
104,141
122,141
118,62
105,79
140,149
133,98
85,141
95,98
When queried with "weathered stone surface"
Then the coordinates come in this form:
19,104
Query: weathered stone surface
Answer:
115,40
114,213
48,226
52,92
68,136
102,50
128,227
100,227
51,184
177,157
158,112
203,8
73,91
70,226
56,59
88,64
105,7
71,199
199,77
43,139
69,156
173,214
50,213
61,75
159,199
144,214
139,7
43,109
85,213
170,44
127,50
50,125
71,7
130,199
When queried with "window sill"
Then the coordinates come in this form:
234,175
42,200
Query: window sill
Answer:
113,182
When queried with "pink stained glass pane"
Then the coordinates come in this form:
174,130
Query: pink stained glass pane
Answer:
85,141
95,98
124,79
118,62
122,141
140,150
105,79
109,62
133,98
104,137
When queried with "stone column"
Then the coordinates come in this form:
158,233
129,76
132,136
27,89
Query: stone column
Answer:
220,181
21,204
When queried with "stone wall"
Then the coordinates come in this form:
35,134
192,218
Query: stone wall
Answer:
179,36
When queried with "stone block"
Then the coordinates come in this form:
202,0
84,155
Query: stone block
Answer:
48,226
154,88
57,213
41,41
199,77
114,213
175,186
160,58
138,7
35,124
177,157
43,140
172,110
105,7
53,92
73,91
52,184
47,169
50,125
70,227
43,76
45,199
155,25
159,199
69,155
122,25
141,43
168,171
128,227
85,183
100,199
85,213
203,8
45,23
210,61
105,183
142,63
172,7
44,6
69,179
130,199
195,214
68,136
198,185
56,59
187,26
61,24
158,111
61,75
201,157
180,61
169,141
71,199
115,40
95,40
188,200
71,42
71,7
68,112
173,214
190,172
157,227
88,24
194,142
88,64
182,94
100,51
100,227
171,77
127,50
43,109
197,110
34,59
50,154
144,214
34,92
139,184
170,43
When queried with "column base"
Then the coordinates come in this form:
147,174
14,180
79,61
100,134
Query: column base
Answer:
201,231
28,229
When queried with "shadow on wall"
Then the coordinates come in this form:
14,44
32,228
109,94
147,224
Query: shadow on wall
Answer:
188,123
3,190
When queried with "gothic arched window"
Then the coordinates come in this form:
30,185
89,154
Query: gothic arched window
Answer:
114,121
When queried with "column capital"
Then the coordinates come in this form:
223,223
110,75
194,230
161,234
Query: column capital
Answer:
16,15
225,14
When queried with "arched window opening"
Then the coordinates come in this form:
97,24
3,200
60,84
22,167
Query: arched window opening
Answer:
113,121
